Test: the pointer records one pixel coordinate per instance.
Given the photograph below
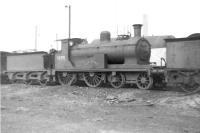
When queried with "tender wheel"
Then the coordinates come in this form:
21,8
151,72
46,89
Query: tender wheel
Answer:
144,81
193,85
18,81
190,89
66,78
44,79
13,81
117,81
93,79
28,82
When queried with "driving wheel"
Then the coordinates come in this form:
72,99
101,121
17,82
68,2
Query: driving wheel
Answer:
93,79
117,81
66,78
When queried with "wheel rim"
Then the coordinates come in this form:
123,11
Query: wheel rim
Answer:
43,82
44,79
29,82
93,79
13,79
118,80
193,85
144,81
190,89
66,78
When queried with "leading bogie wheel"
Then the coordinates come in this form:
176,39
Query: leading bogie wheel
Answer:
93,79
144,81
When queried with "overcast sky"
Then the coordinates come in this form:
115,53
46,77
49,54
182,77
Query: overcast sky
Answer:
89,17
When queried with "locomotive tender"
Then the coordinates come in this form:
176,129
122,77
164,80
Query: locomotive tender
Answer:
27,67
183,62
118,61
3,67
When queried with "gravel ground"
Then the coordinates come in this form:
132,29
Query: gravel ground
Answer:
59,109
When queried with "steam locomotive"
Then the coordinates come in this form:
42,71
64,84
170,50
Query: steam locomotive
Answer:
117,61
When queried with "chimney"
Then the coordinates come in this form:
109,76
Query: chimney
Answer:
137,30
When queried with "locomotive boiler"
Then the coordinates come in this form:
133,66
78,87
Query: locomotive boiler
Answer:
106,51
119,61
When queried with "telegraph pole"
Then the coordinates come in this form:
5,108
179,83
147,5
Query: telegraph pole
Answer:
145,23
36,38
68,6
56,42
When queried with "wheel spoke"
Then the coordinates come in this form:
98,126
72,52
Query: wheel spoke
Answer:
93,79
66,78
119,80
144,81
190,89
